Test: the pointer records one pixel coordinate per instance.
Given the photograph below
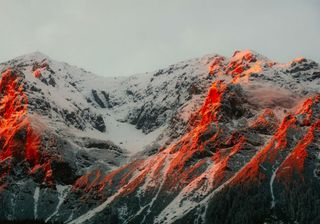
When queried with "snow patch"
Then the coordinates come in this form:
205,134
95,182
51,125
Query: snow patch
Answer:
62,194
36,199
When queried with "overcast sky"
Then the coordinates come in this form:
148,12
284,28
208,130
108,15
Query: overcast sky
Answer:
121,37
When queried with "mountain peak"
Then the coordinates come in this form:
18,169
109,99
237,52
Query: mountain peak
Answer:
247,54
33,56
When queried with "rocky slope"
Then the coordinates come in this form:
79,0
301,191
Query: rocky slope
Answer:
219,140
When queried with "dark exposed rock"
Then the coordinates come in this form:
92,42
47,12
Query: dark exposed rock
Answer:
99,123
51,81
107,98
97,99
63,173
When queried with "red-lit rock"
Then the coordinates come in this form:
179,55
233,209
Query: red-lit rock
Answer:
19,140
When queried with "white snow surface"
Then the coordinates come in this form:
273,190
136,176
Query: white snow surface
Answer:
36,199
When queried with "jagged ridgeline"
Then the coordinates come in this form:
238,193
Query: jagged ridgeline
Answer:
207,140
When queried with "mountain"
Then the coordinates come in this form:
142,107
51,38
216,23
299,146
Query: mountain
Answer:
207,140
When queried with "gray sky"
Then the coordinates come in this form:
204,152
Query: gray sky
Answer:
121,37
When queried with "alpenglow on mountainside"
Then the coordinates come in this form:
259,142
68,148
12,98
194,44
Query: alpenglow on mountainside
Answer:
207,140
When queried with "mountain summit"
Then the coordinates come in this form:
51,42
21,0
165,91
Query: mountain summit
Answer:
207,140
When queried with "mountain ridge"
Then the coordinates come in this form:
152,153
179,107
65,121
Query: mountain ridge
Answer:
209,123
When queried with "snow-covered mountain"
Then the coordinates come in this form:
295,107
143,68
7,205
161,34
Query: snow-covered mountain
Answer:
208,140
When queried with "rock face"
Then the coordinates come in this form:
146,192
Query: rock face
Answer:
221,140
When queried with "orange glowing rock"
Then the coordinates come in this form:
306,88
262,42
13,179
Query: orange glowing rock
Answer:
240,66
208,110
216,64
37,73
238,70
299,60
306,110
252,171
266,123
19,140
295,161
243,64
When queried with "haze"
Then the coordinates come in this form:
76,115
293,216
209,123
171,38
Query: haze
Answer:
117,37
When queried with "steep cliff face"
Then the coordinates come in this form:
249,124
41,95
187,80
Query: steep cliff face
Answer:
18,138
226,140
